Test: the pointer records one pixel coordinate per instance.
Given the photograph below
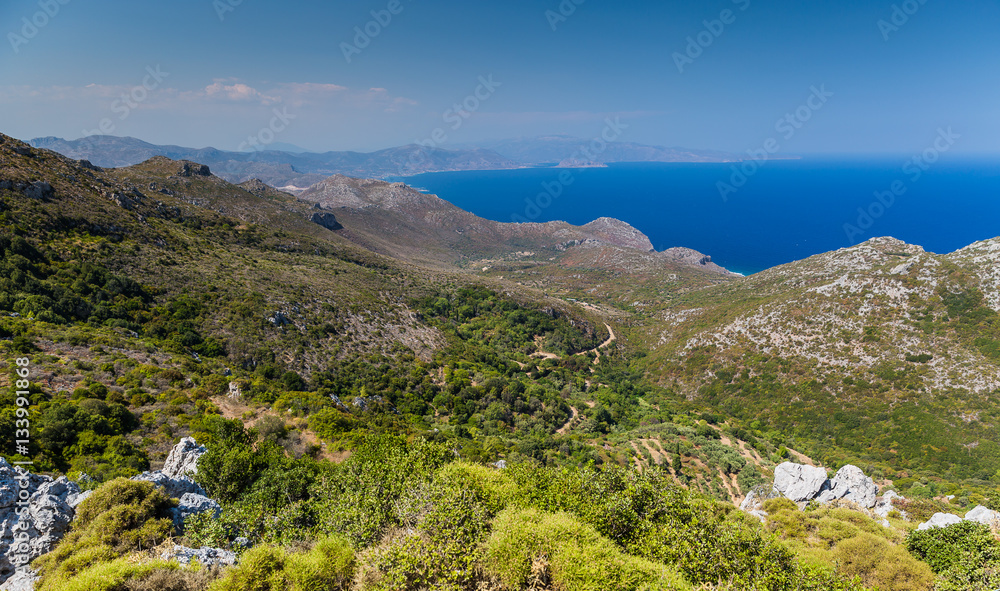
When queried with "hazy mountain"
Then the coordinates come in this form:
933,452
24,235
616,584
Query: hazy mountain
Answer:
294,170
286,170
574,150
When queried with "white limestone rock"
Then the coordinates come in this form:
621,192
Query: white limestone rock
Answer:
183,458
851,484
940,520
985,516
799,483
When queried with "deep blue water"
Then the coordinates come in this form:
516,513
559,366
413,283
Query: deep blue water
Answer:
787,210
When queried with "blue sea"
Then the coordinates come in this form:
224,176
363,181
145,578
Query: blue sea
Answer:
784,211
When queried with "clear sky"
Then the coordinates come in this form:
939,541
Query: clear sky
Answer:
225,67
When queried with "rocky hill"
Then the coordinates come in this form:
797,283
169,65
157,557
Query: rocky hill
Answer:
375,373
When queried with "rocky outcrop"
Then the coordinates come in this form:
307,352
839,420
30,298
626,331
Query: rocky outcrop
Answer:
940,520
22,580
985,516
183,458
208,557
851,484
175,477
327,220
799,483
802,484
174,487
755,499
35,513
884,506
193,504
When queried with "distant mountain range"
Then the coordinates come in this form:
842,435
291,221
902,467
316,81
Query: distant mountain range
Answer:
568,150
294,171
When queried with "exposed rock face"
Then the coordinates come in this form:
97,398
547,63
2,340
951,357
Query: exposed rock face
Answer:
35,513
174,478
327,220
205,556
802,484
851,484
884,505
985,516
183,458
799,483
940,520
194,169
22,580
174,487
193,504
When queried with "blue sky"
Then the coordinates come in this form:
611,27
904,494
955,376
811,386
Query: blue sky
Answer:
224,79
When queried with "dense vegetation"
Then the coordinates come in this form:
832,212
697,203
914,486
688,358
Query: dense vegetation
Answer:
375,426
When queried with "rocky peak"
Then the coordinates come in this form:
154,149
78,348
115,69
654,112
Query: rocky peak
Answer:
619,233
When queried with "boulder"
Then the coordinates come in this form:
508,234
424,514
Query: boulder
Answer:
36,510
985,516
193,504
884,505
327,220
22,580
183,458
755,499
799,483
851,484
940,520
175,477
74,500
205,556
174,487
38,190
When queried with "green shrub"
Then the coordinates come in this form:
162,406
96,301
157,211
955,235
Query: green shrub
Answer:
121,516
112,576
529,546
328,566
943,547
883,565
965,555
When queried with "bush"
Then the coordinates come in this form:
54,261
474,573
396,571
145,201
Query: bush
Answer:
943,548
528,546
328,566
121,516
883,565
965,555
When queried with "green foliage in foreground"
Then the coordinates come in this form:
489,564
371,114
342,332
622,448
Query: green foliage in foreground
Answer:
965,555
419,518
529,546
861,546
328,566
121,517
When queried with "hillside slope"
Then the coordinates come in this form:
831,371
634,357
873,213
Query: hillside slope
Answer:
881,352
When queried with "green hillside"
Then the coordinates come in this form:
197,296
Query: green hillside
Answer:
356,394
